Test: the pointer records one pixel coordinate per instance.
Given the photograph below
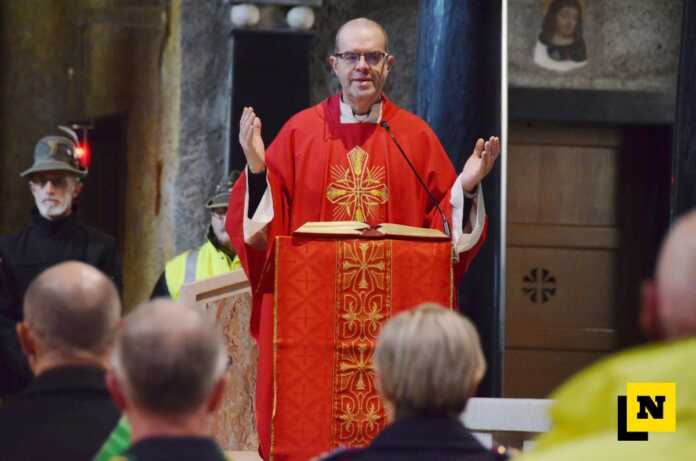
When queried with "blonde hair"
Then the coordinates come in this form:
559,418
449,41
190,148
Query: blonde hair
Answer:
428,361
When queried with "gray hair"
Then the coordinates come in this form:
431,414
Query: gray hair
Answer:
429,361
73,308
168,357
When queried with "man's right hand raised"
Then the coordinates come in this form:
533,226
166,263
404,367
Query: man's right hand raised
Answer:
251,141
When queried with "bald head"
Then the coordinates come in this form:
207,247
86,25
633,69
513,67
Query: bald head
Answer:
71,308
676,279
168,357
360,26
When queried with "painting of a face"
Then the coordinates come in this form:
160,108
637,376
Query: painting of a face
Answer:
566,21
561,45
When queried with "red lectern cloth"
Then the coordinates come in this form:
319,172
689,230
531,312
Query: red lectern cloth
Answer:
332,296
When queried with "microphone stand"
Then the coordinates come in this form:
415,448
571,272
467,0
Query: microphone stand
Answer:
385,125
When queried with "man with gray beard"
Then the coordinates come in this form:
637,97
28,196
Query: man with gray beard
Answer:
52,236
214,257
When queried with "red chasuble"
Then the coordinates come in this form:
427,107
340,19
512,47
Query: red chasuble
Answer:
322,170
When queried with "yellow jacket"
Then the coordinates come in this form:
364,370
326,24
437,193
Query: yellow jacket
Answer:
198,264
584,412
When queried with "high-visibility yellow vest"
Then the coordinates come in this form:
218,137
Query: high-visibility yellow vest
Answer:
198,264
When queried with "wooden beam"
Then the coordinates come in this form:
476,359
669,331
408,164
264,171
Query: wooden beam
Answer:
591,106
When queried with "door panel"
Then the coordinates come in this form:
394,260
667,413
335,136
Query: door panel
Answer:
561,253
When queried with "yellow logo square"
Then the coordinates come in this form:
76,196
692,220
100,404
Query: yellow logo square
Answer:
651,407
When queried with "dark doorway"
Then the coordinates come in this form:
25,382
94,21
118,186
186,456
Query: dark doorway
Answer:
270,73
645,184
102,201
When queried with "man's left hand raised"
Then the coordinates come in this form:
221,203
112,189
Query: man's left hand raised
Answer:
480,163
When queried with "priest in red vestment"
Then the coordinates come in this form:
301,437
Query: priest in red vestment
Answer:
335,162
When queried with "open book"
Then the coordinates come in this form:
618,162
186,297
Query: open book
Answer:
361,229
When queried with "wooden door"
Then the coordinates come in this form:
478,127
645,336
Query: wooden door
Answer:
562,246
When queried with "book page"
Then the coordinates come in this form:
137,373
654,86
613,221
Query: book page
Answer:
332,227
357,228
410,231
323,224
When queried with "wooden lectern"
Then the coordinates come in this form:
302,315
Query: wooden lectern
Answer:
331,297
227,298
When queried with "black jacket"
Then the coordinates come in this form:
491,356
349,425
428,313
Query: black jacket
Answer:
66,413
421,438
170,448
26,254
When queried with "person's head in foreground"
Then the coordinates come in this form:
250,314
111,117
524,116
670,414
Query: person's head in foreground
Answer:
428,361
669,302
168,369
71,312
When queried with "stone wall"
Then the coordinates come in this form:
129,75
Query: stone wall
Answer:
131,66
206,56
173,83
35,89
631,45
83,59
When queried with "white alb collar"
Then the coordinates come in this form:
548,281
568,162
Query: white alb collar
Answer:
347,115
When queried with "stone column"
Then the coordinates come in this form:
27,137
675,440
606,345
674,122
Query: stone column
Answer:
449,72
458,94
684,148
206,52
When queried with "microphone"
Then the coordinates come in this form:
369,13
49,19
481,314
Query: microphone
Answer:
385,125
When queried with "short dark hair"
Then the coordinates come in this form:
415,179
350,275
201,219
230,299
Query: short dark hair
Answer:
168,357
73,307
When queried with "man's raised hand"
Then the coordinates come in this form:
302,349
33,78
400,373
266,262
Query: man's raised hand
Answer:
480,163
251,141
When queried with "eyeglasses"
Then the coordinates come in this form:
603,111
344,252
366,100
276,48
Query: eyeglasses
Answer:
58,180
372,58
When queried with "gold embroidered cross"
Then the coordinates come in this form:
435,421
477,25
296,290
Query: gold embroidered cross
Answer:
357,190
366,263
360,367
